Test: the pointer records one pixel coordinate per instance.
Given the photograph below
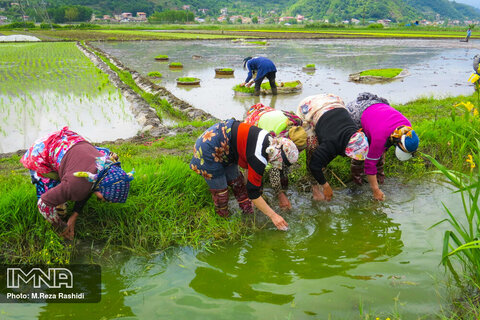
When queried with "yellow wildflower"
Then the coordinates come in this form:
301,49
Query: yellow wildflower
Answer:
470,160
469,106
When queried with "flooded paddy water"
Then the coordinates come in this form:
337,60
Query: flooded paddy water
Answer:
336,258
46,86
437,68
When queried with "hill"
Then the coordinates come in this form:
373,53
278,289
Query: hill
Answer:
333,10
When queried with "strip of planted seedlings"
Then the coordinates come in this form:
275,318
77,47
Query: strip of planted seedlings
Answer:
54,83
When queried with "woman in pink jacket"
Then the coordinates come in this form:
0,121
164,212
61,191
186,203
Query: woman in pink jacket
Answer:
384,127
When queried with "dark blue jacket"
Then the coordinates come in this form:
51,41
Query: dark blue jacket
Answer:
262,65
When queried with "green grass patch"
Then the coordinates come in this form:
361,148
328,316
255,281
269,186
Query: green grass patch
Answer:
176,64
154,74
161,56
169,204
385,73
226,69
311,65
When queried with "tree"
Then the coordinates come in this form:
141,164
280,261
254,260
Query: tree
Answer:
255,20
171,16
71,14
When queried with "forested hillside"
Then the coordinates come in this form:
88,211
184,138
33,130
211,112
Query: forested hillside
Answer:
333,10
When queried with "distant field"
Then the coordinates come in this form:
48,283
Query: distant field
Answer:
122,33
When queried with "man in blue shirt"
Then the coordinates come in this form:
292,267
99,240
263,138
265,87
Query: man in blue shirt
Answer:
469,34
264,68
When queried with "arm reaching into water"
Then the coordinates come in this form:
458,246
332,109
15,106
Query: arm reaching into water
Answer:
277,220
377,193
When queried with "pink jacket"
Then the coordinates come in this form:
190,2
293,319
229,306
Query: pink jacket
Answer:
378,122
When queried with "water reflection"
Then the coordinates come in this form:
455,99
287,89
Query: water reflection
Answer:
112,304
325,244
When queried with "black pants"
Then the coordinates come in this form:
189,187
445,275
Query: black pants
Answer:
271,78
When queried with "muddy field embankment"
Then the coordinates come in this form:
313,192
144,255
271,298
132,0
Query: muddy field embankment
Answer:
146,85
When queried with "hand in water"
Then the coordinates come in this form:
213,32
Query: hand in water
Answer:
378,195
317,194
280,223
328,192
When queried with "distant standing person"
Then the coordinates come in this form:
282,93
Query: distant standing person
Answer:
264,68
469,34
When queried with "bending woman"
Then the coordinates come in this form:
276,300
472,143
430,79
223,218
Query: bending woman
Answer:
264,68
384,127
226,145
331,132
59,164
283,124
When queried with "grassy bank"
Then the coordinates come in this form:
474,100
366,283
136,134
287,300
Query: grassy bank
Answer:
168,205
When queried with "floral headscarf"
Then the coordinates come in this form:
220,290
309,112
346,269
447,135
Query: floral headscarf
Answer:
112,182
357,147
281,150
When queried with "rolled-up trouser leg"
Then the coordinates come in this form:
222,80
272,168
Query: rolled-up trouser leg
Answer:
356,168
220,200
380,172
240,192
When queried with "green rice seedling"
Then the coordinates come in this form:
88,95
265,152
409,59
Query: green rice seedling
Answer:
175,64
310,65
385,73
243,89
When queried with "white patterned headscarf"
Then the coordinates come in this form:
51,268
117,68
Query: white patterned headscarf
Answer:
281,150
312,108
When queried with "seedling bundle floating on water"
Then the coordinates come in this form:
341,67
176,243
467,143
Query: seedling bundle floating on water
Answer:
176,65
282,88
189,81
161,57
378,75
224,71
309,67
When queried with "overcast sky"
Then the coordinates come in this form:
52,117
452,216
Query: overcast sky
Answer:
474,3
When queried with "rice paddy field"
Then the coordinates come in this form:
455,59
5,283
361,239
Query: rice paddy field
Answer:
45,86
166,254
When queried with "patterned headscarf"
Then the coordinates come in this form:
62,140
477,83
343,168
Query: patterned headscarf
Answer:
406,141
281,150
111,181
357,147
312,108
